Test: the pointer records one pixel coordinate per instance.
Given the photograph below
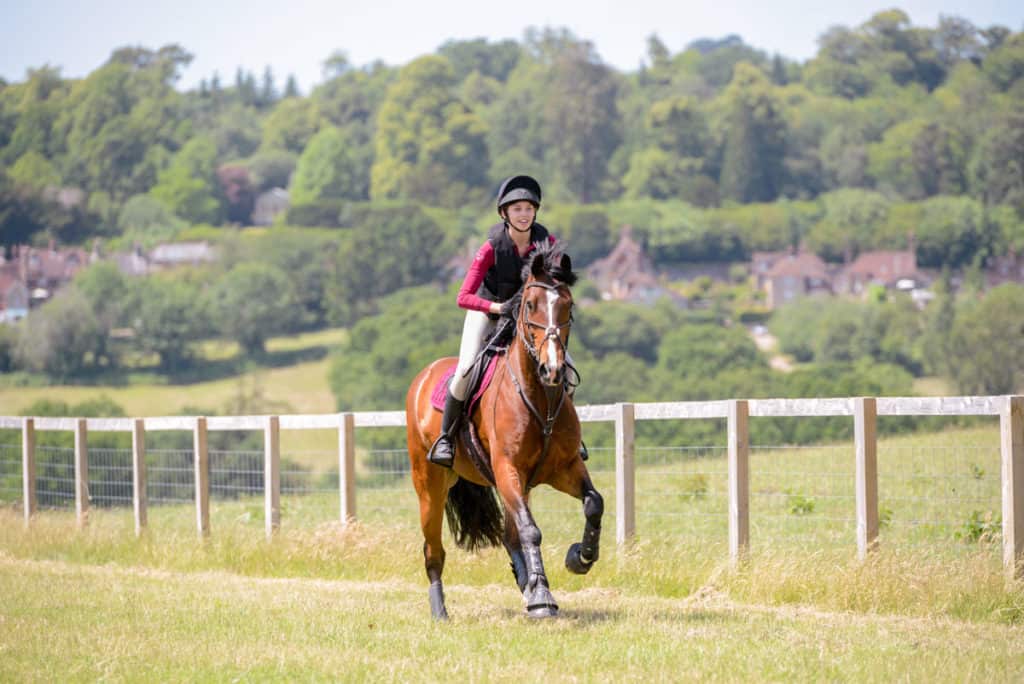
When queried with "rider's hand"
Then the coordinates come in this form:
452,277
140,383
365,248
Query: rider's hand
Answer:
509,307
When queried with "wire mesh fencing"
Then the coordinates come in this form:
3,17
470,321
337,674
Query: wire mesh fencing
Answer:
170,476
10,473
55,477
682,492
935,493
384,487
309,487
803,496
110,477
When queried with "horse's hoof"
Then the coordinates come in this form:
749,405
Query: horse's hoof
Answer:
573,562
541,612
540,603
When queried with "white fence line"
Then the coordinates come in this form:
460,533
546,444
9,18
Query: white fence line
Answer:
863,410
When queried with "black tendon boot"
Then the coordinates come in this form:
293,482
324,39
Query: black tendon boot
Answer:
443,451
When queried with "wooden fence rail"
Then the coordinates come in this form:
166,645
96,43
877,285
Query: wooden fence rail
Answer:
737,413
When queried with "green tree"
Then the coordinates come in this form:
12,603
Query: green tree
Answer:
851,223
147,221
62,338
169,319
333,166
290,125
619,327
755,138
251,303
188,187
373,368
33,170
705,350
429,146
995,171
953,231
392,247
478,55
108,294
987,341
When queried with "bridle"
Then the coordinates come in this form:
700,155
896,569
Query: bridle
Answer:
547,423
551,332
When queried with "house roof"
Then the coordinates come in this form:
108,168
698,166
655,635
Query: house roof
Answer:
884,264
801,264
625,260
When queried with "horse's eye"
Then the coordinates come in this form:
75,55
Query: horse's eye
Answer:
529,305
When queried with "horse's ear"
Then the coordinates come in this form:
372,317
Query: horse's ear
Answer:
566,264
537,267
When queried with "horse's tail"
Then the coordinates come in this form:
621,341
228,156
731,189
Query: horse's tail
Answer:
474,518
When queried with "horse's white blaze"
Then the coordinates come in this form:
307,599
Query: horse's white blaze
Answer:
552,349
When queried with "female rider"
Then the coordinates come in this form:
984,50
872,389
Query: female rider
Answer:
492,280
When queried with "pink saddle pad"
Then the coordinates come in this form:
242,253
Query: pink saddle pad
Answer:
437,397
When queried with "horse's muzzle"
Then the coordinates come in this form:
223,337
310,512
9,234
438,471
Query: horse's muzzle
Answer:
553,377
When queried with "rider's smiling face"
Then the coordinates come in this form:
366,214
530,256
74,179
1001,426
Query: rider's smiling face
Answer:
520,214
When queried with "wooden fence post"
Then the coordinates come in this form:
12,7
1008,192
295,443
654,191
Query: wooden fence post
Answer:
625,473
1011,428
272,475
81,473
347,466
739,479
202,477
28,467
865,428
139,498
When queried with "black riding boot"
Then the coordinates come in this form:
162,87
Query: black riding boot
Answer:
443,451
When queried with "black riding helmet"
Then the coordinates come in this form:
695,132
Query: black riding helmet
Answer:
519,188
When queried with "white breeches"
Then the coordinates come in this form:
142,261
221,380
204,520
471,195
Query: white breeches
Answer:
476,330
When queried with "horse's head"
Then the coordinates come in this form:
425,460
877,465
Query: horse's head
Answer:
545,313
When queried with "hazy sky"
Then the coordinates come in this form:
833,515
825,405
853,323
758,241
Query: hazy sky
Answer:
295,36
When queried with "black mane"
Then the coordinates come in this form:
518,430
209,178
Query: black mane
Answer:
551,254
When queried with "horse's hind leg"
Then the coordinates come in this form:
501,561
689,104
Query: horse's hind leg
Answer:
432,491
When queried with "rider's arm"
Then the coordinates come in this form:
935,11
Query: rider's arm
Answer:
468,297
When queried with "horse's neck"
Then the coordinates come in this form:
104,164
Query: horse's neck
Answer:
525,368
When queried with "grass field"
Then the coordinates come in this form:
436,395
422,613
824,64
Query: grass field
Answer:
295,388
330,603
326,602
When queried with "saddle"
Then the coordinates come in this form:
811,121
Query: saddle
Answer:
480,375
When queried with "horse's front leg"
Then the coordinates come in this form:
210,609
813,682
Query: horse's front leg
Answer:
575,481
515,551
582,555
539,601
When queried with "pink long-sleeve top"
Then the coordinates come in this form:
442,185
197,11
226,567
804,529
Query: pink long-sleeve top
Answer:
482,262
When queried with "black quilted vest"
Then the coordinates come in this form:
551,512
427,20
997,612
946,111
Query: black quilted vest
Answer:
505,277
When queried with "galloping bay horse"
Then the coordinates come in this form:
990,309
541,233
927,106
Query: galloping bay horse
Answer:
526,432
